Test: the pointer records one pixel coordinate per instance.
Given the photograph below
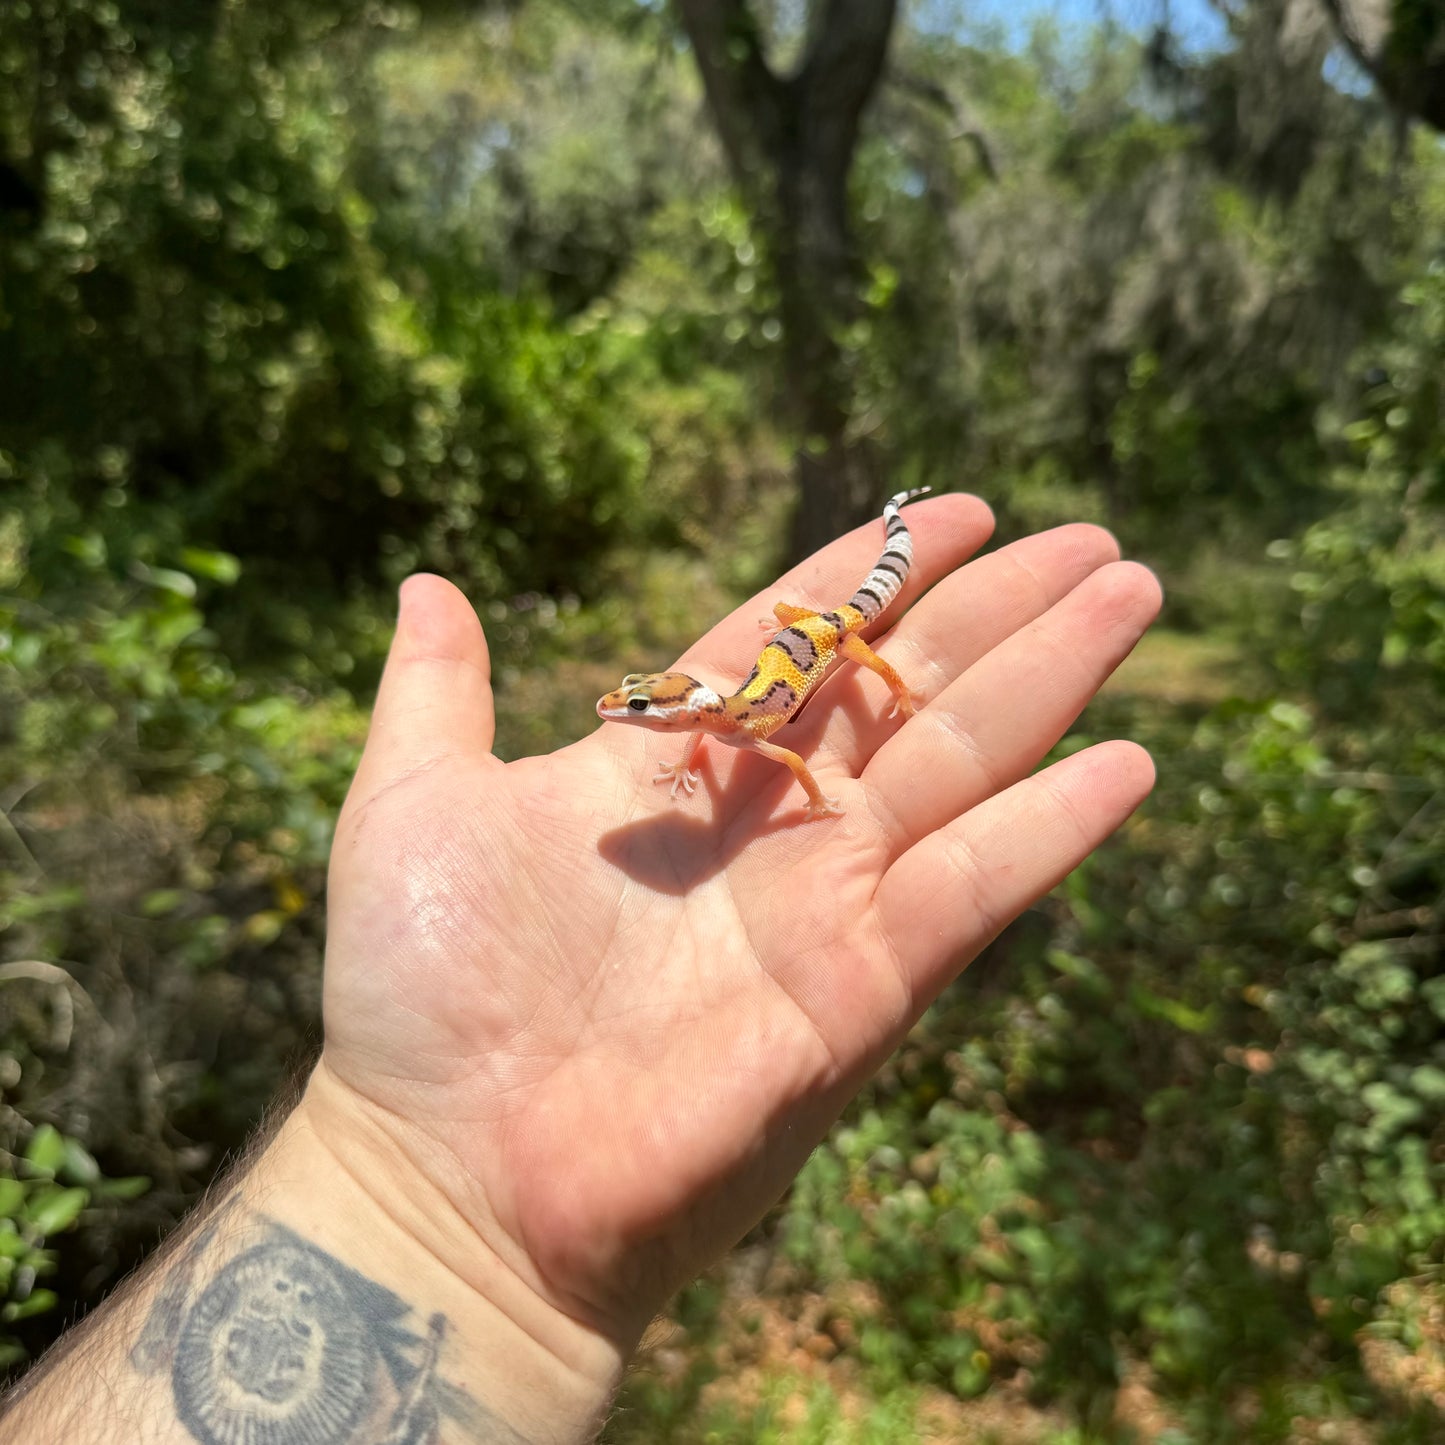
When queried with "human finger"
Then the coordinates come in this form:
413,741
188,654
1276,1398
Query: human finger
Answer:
967,615
435,698
991,726
945,897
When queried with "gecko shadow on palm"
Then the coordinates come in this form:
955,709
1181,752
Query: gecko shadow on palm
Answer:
674,851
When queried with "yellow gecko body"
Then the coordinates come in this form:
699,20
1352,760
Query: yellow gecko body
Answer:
787,670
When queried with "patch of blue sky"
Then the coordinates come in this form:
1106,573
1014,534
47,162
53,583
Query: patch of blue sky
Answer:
1198,25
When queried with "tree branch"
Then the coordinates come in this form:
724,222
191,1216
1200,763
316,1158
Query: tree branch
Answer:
846,52
964,127
1402,48
745,97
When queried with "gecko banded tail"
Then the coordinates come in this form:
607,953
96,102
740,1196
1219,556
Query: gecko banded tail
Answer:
886,579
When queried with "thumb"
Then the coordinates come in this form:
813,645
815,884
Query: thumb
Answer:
435,699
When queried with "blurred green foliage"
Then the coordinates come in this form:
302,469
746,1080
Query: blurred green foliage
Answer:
1203,1128
54,1182
295,299
164,841
217,337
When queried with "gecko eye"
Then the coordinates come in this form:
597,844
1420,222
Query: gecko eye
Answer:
638,704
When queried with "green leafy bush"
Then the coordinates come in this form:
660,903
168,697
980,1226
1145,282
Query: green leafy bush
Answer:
1203,1131
211,340
166,829
43,1193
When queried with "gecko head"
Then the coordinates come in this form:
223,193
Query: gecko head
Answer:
663,701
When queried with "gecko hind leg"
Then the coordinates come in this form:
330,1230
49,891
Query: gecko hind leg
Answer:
856,650
784,615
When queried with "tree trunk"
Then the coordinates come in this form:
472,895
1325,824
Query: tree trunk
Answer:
790,142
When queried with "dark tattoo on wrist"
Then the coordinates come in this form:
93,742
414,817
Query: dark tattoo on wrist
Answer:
285,1345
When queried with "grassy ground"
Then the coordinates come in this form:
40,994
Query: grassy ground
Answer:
1181,668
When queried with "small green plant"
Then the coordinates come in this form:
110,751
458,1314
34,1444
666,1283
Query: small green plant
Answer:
43,1193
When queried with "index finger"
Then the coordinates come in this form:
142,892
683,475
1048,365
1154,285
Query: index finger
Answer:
946,530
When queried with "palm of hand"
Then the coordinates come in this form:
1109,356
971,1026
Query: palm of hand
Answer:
617,1027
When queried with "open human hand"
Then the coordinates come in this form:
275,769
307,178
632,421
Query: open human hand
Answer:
606,1031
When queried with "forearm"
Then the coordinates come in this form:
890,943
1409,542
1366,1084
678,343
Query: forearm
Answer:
309,1306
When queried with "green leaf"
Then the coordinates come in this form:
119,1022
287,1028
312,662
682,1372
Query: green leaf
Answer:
1433,992
1171,1011
1082,970
79,1166
1429,1083
266,926
88,550
161,901
129,1186
51,1212
181,584
46,1150
219,567
38,1302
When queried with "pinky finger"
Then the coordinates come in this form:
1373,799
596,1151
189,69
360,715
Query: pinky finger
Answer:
955,889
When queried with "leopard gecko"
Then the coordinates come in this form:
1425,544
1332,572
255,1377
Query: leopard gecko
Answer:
788,669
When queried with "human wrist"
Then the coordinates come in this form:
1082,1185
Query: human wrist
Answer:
344,1178
328,1294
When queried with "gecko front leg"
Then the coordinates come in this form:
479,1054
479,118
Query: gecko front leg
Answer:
681,773
804,643
819,805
